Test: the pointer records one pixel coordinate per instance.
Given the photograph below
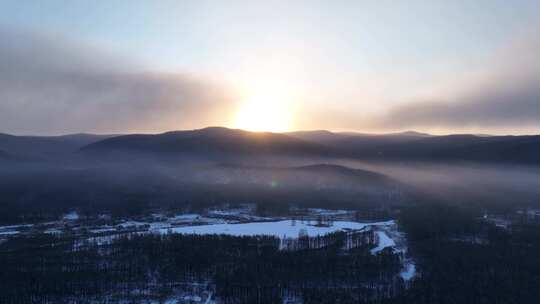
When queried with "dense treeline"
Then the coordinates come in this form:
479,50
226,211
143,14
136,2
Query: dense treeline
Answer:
463,259
460,258
20,205
44,190
44,269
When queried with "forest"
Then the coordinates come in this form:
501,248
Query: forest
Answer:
460,259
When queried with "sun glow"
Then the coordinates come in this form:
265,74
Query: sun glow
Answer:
264,112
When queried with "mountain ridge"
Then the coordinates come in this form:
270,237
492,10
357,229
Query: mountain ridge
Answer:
389,147
214,140
220,141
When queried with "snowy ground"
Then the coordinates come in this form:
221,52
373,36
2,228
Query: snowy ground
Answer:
409,270
326,212
280,229
71,216
388,236
240,221
14,229
384,241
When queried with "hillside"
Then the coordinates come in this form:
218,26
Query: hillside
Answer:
45,146
423,147
209,141
222,143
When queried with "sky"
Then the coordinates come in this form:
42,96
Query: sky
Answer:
368,66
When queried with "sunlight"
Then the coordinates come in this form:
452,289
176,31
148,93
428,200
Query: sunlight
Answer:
264,112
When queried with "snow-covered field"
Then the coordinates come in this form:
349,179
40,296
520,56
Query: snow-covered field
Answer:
385,233
280,229
235,222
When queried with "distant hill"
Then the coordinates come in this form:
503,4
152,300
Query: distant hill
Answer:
209,141
411,133
320,136
45,146
504,149
356,139
514,149
316,177
358,174
316,170
222,143
403,146
413,145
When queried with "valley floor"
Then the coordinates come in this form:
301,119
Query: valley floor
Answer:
305,229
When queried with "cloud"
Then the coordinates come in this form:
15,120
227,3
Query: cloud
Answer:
52,85
505,94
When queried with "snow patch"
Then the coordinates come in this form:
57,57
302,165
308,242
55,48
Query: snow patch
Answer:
409,271
186,217
53,231
71,216
103,229
132,224
384,242
13,229
15,226
327,212
192,298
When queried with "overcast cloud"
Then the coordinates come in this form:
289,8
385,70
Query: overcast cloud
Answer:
504,94
53,85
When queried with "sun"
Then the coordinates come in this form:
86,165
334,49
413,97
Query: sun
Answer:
264,112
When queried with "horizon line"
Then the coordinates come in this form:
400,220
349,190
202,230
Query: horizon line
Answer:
395,132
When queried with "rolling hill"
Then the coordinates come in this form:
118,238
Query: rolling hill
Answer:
423,147
213,141
221,143
327,137
39,147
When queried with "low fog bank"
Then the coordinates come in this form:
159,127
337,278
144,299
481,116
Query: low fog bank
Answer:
35,191
510,186
132,184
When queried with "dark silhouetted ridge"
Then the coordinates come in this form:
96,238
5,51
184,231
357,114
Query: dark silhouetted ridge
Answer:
213,140
45,146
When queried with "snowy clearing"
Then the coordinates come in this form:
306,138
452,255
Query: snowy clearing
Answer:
327,212
280,229
384,242
71,216
409,271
